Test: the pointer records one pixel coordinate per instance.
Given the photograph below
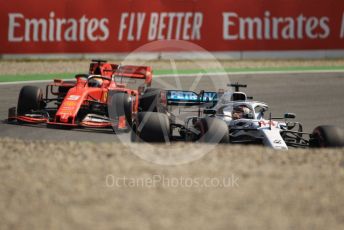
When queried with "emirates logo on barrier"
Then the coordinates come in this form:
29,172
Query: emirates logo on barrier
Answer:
56,29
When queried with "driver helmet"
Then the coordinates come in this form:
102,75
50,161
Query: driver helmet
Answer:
95,82
240,111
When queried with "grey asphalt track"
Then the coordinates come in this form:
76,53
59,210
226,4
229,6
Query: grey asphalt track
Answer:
316,98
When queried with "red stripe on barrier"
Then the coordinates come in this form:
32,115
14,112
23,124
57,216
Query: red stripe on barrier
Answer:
37,26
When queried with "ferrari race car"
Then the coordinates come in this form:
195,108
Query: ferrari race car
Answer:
228,117
109,96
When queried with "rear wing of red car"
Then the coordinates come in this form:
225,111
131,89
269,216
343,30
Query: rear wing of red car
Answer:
101,67
132,71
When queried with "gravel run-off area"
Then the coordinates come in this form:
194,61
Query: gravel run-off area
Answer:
47,185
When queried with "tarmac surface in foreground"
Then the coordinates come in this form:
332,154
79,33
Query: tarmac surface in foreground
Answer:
316,98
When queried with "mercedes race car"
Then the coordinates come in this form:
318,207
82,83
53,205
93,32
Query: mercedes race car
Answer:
228,117
107,97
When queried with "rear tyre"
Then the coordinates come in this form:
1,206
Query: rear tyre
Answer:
151,127
327,136
212,130
120,105
149,101
30,99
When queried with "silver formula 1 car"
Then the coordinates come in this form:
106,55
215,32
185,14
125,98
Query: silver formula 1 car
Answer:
228,117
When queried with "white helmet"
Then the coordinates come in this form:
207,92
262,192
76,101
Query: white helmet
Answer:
246,110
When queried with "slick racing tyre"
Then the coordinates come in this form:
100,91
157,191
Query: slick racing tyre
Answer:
120,105
149,101
212,130
30,99
327,136
151,127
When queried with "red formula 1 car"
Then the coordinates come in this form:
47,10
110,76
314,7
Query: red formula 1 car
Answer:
110,95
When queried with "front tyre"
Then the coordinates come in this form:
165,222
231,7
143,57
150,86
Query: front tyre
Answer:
212,130
151,127
30,99
327,136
